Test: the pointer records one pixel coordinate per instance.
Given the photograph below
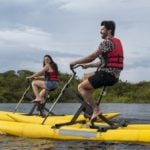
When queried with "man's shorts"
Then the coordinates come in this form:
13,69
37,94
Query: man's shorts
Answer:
102,78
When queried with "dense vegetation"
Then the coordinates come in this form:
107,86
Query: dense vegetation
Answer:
13,85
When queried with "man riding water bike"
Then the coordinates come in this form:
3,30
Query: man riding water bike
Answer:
110,52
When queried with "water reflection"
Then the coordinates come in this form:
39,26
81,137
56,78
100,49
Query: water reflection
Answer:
92,145
19,143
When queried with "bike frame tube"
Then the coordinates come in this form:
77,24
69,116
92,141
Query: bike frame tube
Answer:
62,92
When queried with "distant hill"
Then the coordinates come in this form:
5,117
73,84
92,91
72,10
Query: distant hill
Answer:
13,84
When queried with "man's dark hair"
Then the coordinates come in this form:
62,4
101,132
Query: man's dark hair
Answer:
110,25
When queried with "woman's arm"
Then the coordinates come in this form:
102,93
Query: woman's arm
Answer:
39,77
39,73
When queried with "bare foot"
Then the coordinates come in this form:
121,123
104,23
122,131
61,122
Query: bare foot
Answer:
95,114
42,101
36,100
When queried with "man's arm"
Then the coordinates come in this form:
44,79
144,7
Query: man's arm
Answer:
91,65
86,59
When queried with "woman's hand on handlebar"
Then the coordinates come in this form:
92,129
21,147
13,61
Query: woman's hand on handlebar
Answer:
31,78
28,77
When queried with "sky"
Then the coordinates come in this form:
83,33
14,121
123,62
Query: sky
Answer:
69,30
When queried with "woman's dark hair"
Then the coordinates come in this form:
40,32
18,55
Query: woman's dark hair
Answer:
110,25
52,63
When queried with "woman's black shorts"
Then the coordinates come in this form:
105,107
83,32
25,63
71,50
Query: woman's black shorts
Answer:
102,78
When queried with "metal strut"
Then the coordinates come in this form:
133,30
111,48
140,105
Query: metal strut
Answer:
84,107
111,124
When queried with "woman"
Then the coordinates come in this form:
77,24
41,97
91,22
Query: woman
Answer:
50,73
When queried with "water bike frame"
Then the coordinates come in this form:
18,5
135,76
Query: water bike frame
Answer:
84,107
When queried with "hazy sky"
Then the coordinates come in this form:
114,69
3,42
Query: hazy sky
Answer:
69,29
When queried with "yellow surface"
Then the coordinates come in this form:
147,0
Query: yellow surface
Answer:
5,117
51,120
131,133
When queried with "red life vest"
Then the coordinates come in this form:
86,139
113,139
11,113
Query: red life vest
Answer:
51,76
115,57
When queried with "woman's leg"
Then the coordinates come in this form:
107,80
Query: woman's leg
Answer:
36,84
42,95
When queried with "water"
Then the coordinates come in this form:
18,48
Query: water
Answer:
138,113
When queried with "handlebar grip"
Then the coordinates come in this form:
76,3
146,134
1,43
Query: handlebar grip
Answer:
29,80
74,67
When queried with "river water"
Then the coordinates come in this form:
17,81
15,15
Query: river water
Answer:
132,113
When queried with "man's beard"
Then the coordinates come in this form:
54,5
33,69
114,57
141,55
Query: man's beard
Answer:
103,36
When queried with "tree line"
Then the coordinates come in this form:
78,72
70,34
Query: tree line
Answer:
14,83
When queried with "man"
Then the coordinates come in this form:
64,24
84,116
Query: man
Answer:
110,52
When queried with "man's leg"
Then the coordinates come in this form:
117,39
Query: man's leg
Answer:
86,90
87,75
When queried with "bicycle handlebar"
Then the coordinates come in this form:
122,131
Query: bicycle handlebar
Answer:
74,67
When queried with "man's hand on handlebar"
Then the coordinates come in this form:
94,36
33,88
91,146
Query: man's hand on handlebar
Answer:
72,64
84,66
